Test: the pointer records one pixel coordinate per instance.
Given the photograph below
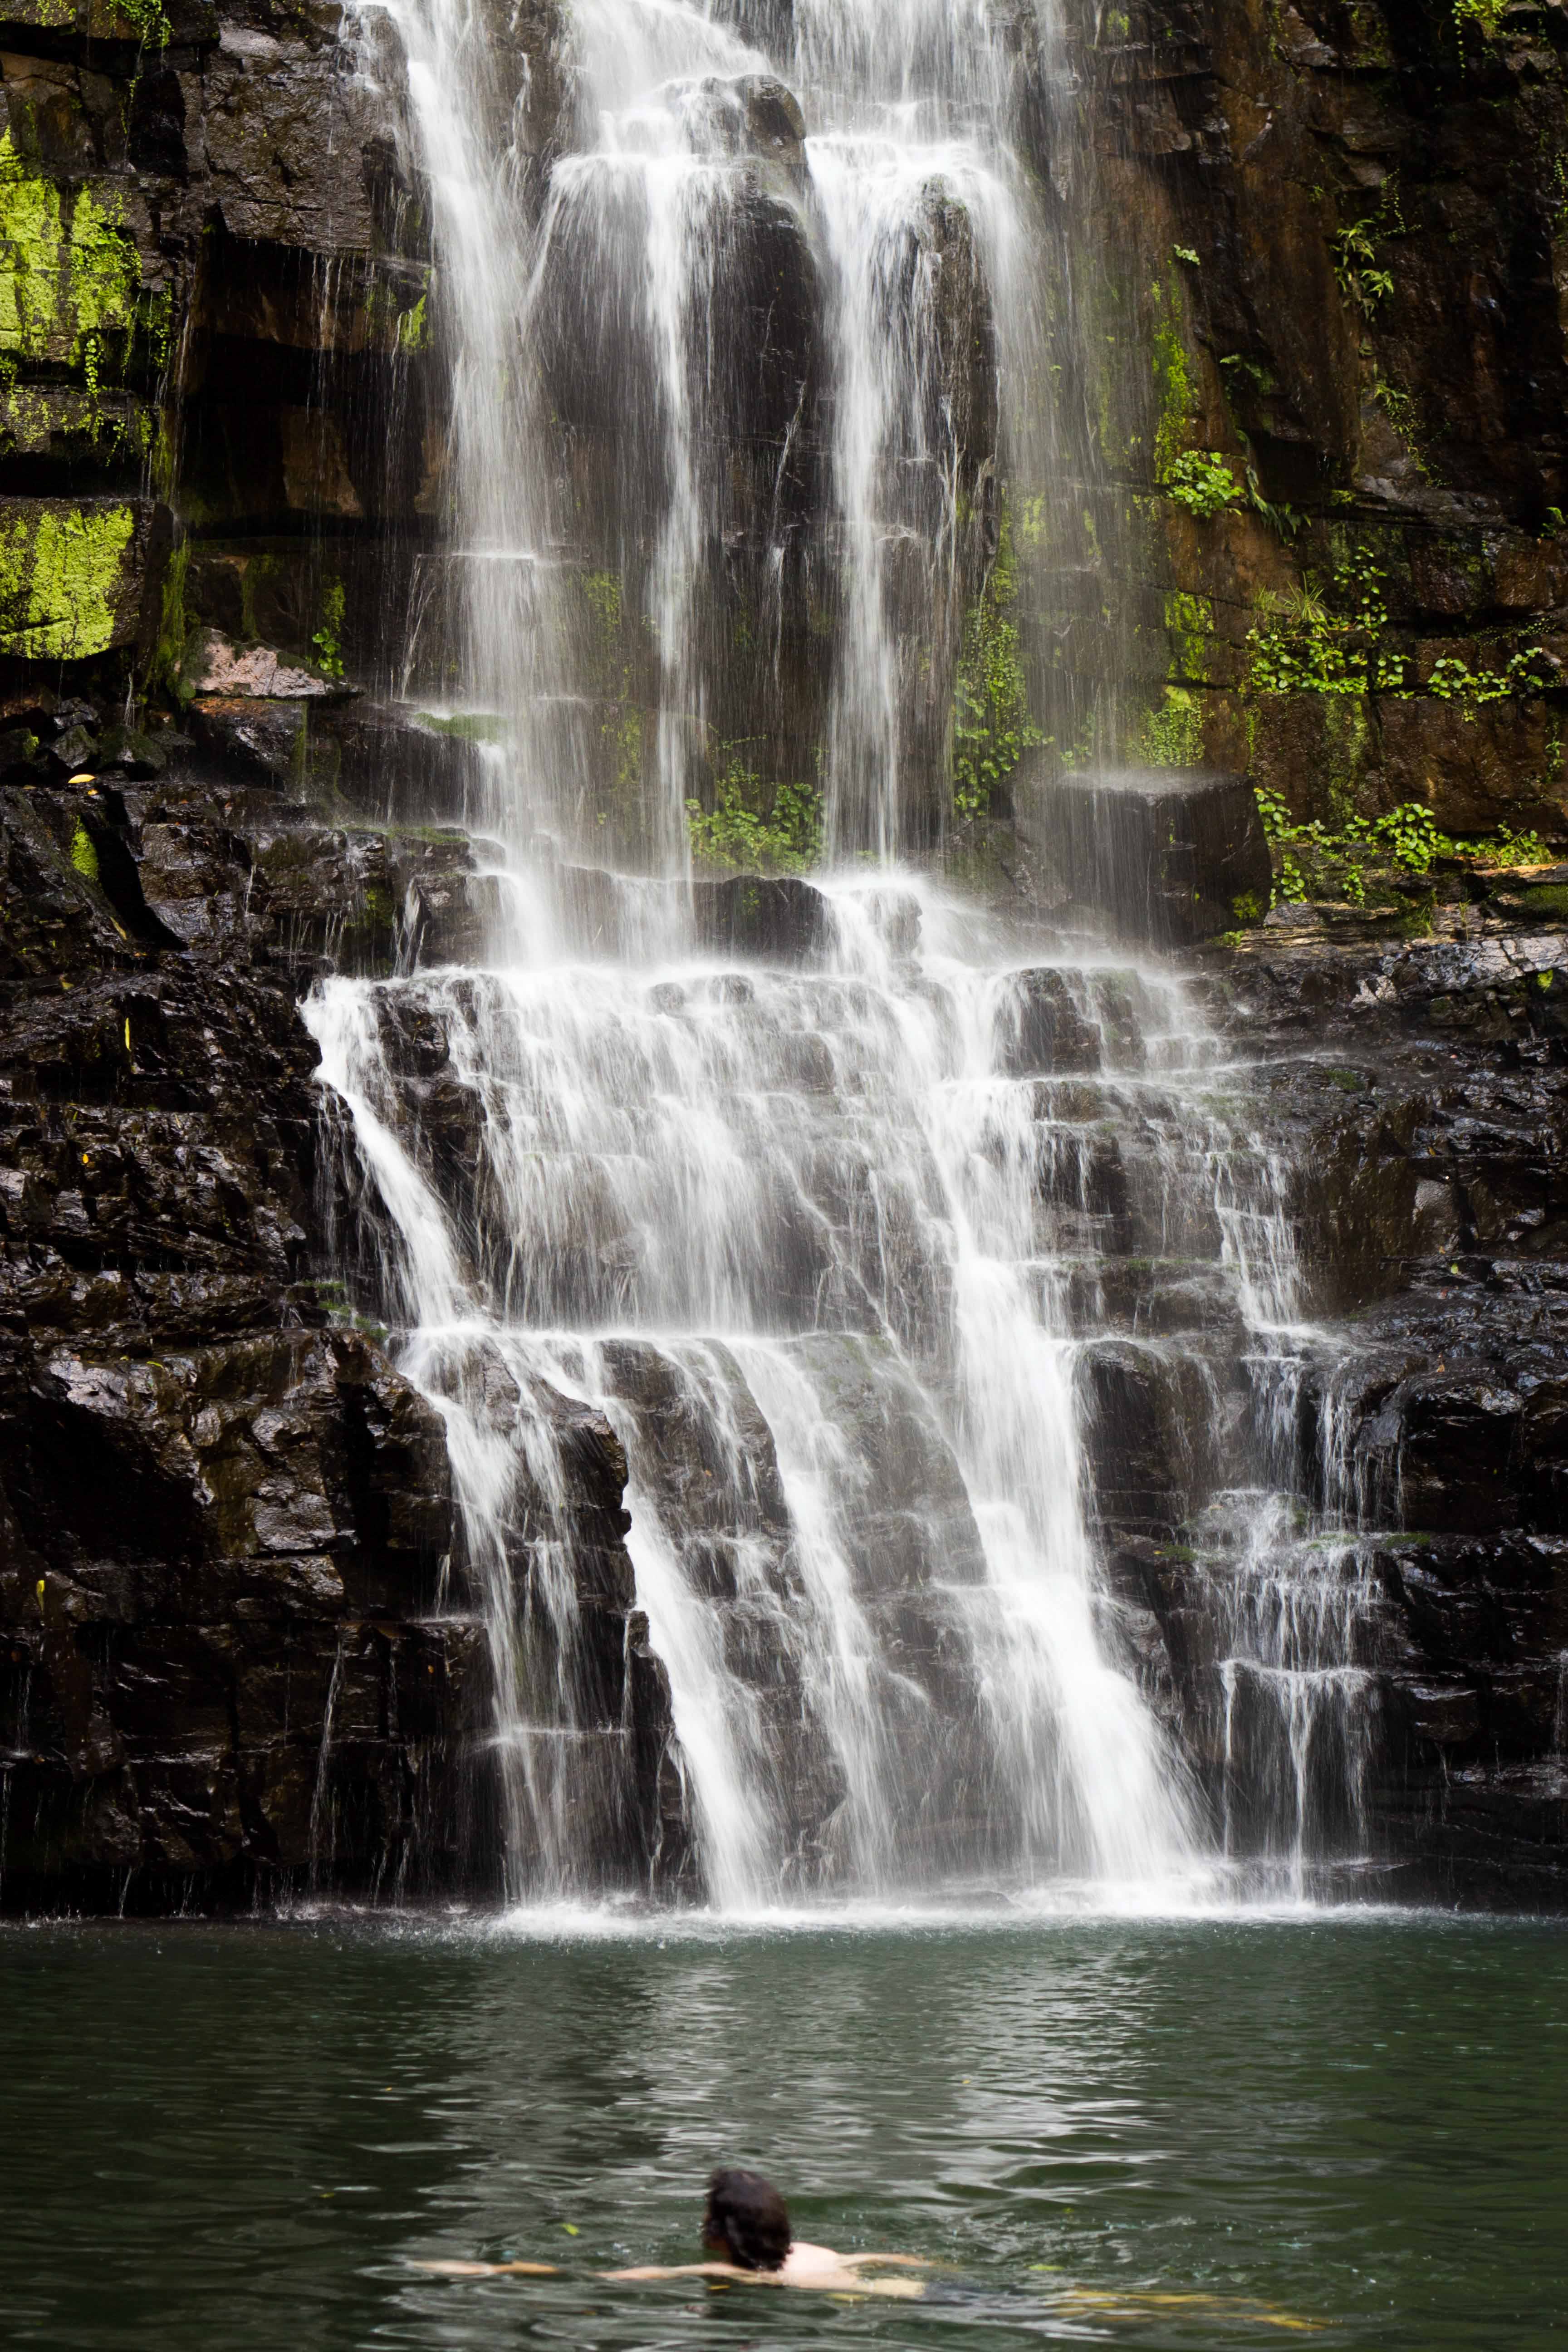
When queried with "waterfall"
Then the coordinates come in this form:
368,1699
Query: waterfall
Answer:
829,1241
785,1231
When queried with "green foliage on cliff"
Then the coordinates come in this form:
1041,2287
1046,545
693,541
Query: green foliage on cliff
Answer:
1355,259
328,638
1317,640
1324,641
1482,16
149,19
1201,481
992,723
783,838
1319,861
1172,734
1528,671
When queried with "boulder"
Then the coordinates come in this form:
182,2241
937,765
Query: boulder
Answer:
216,667
1041,1031
776,917
1163,854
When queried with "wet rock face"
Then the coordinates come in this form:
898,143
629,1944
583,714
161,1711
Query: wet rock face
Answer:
780,919
1418,1087
1335,234
240,1645
1165,857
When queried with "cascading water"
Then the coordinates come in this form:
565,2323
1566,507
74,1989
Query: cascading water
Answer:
817,1243
809,1208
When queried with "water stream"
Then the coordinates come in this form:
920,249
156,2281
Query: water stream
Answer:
843,1243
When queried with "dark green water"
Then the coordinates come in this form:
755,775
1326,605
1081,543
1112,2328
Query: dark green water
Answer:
239,2136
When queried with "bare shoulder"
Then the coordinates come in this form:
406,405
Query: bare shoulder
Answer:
807,2261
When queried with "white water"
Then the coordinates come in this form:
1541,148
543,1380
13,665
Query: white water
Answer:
820,1247
797,1220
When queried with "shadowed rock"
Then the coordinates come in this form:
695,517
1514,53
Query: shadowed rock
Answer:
1160,854
779,917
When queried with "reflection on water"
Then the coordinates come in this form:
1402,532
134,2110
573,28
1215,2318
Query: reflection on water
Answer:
1174,2134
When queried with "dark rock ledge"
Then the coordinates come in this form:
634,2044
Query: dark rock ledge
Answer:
224,1516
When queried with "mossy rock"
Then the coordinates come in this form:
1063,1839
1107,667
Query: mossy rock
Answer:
75,574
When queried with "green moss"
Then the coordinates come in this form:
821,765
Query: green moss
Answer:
60,571
69,275
1480,16
84,856
621,731
173,626
1189,625
992,726
149,19
1172,734
1175,391
601,592
413,329
262,578
621,724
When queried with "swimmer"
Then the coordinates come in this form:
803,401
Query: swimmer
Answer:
747,2223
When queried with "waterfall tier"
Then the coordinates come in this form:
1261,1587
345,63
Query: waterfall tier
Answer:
904,1267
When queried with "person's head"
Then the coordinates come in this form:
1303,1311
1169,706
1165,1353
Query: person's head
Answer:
746,2220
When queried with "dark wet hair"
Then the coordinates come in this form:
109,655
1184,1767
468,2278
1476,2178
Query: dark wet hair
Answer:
749,2219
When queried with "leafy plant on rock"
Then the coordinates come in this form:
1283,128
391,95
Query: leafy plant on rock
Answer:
735,831
1401,848
328,638
1201,481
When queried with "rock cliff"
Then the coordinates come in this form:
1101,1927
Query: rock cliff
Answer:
1334,238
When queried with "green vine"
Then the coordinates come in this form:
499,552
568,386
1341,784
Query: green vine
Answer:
1482,16
1526,672
149,19
1327,641
1360,280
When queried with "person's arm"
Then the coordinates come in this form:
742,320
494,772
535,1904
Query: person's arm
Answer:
490,2270
686,2270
